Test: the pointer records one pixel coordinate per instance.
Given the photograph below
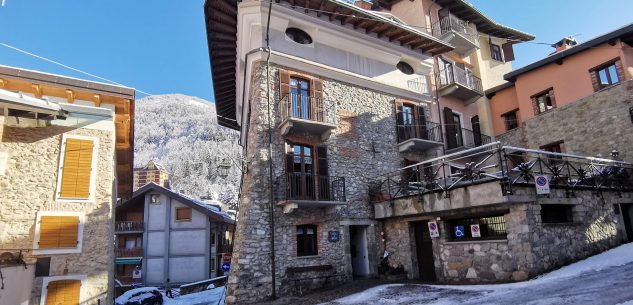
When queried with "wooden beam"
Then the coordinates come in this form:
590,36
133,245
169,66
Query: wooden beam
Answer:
3,82
373,27
398,35
387,31
333,14
321,8
70,96
409,39
37,90
97,99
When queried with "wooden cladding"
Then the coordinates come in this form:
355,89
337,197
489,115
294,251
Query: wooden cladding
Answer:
63,292
59,232
77,168
183,214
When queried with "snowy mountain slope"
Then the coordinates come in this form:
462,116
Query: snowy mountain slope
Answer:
181,133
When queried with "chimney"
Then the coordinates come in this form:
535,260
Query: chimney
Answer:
565,44
364,4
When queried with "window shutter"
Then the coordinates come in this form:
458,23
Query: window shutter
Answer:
451,129
317,99
595,81
322,159
284,83
508,51
76,169
474,122
59,232
422,123
63,293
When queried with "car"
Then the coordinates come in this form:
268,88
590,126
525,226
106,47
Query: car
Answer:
140,296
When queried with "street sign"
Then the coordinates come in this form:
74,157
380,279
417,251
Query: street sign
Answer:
226,258
333,236
433,230
542,184
226,267
474,231
459,231
136,274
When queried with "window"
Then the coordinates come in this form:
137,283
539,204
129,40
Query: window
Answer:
607,76
63,292
76,168
493,227
556,213
543,102
510,119
58,232
555,147
306,240
183,214
154,198
43,266
211,264
300,95
495,52
405,68
299,36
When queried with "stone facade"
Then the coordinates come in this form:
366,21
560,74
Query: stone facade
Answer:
362,146
29,186
596,124
530,247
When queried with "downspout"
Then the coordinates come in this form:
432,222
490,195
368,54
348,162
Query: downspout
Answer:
270,157
436,76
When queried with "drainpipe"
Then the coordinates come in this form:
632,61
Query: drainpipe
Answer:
270,159
436,76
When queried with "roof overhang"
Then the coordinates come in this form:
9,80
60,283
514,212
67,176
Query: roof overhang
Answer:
221,24
19,101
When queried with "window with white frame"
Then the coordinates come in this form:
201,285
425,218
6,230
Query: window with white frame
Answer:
77,168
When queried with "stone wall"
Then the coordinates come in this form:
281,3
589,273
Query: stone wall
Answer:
362,146
596,124
29,186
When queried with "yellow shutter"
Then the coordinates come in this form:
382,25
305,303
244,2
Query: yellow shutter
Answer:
63,293
76,169
58,232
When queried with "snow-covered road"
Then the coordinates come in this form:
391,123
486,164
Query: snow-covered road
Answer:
603,279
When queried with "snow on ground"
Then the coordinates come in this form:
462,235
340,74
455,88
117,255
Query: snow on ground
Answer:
606,278
213,296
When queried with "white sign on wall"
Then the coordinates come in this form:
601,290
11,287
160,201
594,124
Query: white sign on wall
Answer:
474,231
433,230
136,274
542,184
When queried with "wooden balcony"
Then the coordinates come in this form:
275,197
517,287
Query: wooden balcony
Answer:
128,227
128,252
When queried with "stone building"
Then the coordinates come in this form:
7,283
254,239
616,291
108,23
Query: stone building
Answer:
341,94
64,145
168,235
151,172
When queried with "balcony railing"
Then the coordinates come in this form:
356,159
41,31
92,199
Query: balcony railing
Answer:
127,279
128,226
308,187
457,137
512,166
414,129
456,75
420,85
450,23
128,252
303,107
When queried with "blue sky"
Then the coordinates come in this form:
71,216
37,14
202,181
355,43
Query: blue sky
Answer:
159,46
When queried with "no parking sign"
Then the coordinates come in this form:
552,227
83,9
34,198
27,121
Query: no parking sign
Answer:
542,184
474,231
433,230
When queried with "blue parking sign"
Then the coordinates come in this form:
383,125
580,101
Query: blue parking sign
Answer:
459,231
226,267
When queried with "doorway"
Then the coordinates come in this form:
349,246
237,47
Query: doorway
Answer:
359,251
627,215
424,251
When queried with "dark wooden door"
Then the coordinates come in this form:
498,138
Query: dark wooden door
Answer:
424,251
627,214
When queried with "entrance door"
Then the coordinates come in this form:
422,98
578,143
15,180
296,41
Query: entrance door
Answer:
358,250
627,214
300,92
424,251
301,172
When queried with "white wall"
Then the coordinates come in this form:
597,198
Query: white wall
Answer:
18,283
187,269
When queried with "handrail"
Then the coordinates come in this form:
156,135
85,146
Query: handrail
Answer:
420,84
304,186
451,23
458,75
306,107
414,129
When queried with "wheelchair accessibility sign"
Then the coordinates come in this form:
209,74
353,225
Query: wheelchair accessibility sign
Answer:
459,231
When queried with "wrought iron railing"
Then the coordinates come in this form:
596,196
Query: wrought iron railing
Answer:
307,108
301,186
414,129
457,137
420,84
128,252
128,226
511,166
455,75
450,23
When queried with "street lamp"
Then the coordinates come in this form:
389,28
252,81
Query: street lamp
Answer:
224,168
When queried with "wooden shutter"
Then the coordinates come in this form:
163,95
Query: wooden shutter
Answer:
63,292
317,104
508,51
59,232
284,83
474,122
183,213
322,161
451,129
76,169
424,133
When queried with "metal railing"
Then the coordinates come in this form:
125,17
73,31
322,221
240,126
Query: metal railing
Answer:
414,129
451,23
301,186
455,75
307,108
511,166
457,137
420,84
128,252
128,226
127,279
